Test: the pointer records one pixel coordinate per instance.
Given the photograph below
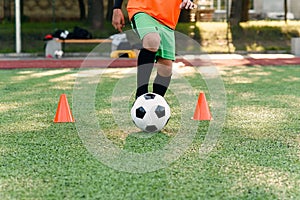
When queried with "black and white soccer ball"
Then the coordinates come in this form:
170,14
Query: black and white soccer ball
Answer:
150,112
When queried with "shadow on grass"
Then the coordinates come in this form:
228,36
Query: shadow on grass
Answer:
261,38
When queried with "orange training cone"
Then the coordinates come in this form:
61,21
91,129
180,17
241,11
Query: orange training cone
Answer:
202,110
63,112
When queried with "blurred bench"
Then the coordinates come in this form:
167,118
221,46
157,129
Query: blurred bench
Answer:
55,48
84,41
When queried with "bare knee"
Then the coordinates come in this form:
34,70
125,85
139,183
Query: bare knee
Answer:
151,41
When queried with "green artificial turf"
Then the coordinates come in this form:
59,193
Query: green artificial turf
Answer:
256,156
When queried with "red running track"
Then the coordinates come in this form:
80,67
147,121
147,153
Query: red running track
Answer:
123,62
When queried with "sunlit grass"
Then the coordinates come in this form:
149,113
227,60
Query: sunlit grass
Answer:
252,36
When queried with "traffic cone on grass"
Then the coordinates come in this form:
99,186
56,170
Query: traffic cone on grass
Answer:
202,110
63,112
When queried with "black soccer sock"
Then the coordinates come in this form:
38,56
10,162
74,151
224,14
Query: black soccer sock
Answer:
161,84
145,65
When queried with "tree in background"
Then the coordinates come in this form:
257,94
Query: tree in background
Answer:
109,11
285,10
239,12
107,7
7,11
96,13
245,11
82,9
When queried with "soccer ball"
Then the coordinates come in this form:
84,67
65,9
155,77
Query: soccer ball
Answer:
150,112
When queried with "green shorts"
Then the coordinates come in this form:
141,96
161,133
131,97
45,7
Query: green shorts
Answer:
143,24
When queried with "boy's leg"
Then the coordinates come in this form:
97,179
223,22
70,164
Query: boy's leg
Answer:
163,77
166,55
145,63
146,28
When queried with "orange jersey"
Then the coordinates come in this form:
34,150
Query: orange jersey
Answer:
165,11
